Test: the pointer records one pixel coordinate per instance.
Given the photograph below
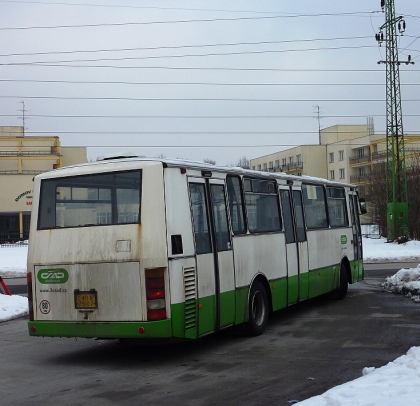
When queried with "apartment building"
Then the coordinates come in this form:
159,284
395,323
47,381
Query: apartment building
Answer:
346,153
22,157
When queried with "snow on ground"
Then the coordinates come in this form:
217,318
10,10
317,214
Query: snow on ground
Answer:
13,261
12,307
395,384
378,250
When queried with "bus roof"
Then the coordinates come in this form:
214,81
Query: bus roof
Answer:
179,163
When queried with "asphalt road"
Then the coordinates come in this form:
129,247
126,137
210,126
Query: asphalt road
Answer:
306,350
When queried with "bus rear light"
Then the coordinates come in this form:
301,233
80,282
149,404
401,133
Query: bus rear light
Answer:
158,314
155,294
155,283
33,329
156,304
30,296
155,273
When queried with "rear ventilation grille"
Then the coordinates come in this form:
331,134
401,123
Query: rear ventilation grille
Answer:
190,292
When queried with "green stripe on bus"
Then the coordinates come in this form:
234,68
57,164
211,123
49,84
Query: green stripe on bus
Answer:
198,317
154,329
279,293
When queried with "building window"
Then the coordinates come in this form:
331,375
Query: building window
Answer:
342,174
331,157
290,160
270,165
299,159
332,176
265,167
299,174
361,152
253,167
259,167
341,155
277,163
283,161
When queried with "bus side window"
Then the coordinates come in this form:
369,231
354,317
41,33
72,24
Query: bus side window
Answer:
236,205
315,207
200,220
262,207
337,207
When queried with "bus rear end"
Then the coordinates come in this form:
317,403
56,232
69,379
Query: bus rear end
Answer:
97,258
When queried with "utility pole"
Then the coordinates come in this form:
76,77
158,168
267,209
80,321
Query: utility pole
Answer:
396,174
318,117
23,118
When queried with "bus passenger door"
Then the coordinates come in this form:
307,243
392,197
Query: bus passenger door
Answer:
357,237
296,244
214,256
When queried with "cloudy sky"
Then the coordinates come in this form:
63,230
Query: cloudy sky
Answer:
197,79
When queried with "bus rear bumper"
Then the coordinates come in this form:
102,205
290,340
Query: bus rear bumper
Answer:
107,330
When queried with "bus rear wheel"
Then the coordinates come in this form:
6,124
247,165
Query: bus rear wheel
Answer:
257,310
341,292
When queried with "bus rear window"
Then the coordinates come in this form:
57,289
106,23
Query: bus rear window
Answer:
91,200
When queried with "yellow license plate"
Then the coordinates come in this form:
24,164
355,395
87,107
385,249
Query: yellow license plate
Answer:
85,300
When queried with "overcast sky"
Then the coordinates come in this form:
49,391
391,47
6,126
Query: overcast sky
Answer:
199,79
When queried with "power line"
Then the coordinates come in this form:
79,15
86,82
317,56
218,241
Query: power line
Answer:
195,99
178,133
112,82
202,20
186,46
60,116
226,69
141,58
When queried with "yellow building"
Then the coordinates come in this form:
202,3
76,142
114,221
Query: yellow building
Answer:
346,153
21,158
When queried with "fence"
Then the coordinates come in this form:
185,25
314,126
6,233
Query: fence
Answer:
13,239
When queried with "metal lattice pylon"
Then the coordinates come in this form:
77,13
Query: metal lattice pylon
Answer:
396,173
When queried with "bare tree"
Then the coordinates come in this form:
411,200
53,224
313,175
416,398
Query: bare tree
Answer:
210,161
377,197
413,186
243,163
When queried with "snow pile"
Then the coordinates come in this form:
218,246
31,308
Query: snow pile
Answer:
406,282
379,250
394,384
12,307
13,261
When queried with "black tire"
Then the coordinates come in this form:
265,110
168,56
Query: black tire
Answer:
341,292
257,310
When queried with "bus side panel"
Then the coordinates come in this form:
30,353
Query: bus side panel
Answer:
263,254
328,247
182,265
183,281
178,213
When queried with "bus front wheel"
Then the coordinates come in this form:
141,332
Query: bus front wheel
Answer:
257,310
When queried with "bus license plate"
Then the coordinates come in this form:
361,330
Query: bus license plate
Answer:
85,300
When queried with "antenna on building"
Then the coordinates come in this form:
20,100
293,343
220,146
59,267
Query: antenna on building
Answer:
370,126
318,117
23,116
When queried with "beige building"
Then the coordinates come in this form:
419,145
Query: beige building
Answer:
346,153
301,160
22,157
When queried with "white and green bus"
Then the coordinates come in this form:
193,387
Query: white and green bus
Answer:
150,248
